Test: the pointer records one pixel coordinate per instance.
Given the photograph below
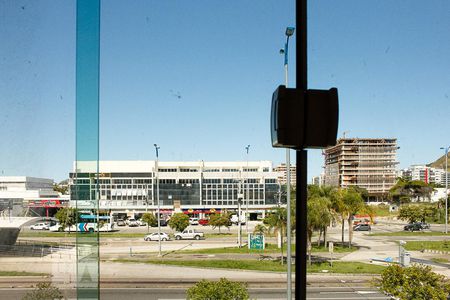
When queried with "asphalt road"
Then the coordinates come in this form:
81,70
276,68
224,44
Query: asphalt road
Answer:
317,293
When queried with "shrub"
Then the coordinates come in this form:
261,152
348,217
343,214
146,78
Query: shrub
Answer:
44,291
415,282
223,289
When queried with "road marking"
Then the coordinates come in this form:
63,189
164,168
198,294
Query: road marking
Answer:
346,298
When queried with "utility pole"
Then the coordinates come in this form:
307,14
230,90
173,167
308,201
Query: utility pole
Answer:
289,32
157,198
248,194
302,158
446,187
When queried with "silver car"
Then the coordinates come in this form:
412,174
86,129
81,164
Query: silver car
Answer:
39,226
156,236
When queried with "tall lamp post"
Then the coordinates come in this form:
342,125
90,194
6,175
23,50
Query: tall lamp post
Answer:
446,187
289,32
157,198
248,193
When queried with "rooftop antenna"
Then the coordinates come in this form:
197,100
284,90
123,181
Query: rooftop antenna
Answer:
344,133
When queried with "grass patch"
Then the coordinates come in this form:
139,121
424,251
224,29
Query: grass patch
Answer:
248,264
272,266
440,260
342,267
223,234
47,234
409,233
270,249
337,248
431,245
16,273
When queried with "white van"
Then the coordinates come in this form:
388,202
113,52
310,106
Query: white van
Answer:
234,219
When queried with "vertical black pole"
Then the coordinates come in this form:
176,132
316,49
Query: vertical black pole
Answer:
301,157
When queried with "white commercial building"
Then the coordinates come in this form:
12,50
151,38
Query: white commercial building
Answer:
195,187
19,193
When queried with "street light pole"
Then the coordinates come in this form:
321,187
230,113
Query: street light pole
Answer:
289,32
157,198
446,187
248,193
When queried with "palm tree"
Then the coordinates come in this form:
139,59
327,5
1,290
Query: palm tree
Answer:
318,217
325,192
277,221
260,229
338,206
353,203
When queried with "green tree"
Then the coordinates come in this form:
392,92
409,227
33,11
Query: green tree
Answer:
179,222
338,206
223,289
67,217
353,203
220,220
417,212
415,282
326,193
150,219
318,217
44,291
63,189
260,229
276,220
406,190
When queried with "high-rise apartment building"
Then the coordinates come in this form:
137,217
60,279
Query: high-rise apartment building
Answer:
368,163
281,169
425,174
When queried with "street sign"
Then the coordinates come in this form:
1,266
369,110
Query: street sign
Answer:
256,241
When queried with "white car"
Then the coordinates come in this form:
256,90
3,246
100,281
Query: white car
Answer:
141,223
132,223
39,226
56,227
193,221
155,237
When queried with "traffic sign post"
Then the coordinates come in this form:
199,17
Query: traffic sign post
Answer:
256,241
331,250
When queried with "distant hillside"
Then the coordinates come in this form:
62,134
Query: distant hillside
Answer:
440,162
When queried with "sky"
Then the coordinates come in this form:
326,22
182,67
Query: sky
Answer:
196,77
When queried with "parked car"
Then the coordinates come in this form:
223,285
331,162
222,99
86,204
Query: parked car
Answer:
132,223
193,221
56,227
39,226
121,222
189,234
156,236
203,222
141,223
362,227
424,225
413,227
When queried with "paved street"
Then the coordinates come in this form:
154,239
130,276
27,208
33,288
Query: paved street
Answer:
332,293
144,278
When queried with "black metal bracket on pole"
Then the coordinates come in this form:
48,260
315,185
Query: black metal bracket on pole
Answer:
301,157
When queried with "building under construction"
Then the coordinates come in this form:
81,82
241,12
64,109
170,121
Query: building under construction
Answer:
365,163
